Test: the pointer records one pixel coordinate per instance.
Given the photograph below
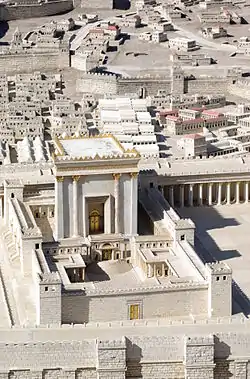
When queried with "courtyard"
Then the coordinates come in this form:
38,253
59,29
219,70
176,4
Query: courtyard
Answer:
225,234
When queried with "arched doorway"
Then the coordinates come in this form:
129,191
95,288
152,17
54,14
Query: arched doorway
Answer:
94,221
106,252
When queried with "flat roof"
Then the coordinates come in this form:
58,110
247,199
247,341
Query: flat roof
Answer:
90,146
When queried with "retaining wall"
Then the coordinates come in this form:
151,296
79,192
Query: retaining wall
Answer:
14,12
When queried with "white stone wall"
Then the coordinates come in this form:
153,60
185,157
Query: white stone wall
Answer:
77,308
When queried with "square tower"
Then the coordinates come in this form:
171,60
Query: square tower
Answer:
50,299
220,289
177,80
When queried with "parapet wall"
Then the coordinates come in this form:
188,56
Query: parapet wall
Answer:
149,86
147,352
14,12
79,308
26,63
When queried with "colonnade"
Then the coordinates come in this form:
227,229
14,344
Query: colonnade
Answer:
79,200
213,193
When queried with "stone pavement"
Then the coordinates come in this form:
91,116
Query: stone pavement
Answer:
225,232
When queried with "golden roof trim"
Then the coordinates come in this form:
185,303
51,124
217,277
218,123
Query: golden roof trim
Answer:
124,152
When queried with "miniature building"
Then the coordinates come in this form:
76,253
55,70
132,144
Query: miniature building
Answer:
194,145
182,44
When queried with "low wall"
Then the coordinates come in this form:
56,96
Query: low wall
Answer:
21,63
150,352
149,85
98,84
207,85
184,300
8,13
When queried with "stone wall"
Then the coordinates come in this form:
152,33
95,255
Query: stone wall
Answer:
26,63
146,352
21,11
207,85
98,84
150,86
80,308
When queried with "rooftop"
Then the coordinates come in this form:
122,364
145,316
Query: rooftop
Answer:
88,147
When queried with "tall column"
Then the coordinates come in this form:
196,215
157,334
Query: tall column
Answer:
75,206
181,196
237,194
191,195
210,193
246,192
200,196
134,203
59,216
117,202
171,196
219,194
228,193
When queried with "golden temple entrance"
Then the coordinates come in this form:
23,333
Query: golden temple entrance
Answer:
95,222
134,311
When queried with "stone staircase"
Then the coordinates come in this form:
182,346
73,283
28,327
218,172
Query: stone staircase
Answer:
10,244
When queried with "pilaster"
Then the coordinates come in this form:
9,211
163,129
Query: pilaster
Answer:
117,202
75,206
59,201
134,203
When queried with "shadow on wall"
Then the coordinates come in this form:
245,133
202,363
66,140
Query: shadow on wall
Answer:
121,4
4,27
221,354
134,356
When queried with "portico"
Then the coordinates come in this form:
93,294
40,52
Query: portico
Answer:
212,193
96,187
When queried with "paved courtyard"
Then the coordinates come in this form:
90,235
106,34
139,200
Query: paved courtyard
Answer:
225,232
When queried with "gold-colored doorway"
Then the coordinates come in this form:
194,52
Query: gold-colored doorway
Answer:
106,254
94,221
134,312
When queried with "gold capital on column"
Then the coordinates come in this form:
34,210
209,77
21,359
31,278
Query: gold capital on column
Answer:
75,178
134,174
116,176
59,178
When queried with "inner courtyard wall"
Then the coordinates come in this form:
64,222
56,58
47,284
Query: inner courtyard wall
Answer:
14,12
80,308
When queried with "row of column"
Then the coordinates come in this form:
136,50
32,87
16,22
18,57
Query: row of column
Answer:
206,196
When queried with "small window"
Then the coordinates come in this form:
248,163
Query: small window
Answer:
224,278
12,195
217,278
46,289
183,237
37,245
151,185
